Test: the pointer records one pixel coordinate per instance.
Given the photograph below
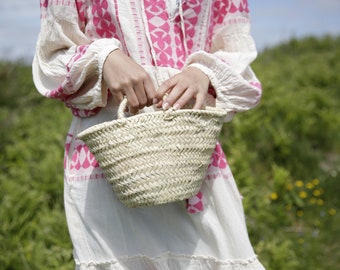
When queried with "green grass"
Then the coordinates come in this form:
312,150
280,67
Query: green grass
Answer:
284,155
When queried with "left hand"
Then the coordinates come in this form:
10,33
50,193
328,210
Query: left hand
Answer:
189,84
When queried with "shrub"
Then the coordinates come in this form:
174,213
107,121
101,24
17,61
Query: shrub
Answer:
284,156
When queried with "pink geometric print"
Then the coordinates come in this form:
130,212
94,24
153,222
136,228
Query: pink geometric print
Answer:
216,171
180,50
220,10
218,158
195,204
80,51
256,84
244,7
81,157
171,52
191,11
159,29
43,3
66,91
102,19
80,4
85,113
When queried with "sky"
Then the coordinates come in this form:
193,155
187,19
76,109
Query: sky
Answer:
273,22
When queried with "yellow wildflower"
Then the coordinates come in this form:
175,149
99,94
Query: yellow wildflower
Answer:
299,213
320,202
303,194
332,211
274,196
317,192
315,182
312,201
299,183
309,185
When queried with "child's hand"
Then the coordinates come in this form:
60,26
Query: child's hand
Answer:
181,88
124,77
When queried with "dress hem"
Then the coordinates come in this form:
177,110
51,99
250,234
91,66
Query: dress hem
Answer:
172,261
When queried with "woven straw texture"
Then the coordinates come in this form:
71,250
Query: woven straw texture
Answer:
155,158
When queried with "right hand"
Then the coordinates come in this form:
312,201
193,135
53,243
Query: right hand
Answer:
124,77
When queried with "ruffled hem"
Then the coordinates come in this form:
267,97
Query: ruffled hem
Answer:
173,262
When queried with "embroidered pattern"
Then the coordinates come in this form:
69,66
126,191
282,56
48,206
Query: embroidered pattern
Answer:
82,158
66,91
191,11
102,19
79,162
218,158
220,10
85,113
80,4
195,204
80,51
159,29
217,169
167,38
171,51
43,3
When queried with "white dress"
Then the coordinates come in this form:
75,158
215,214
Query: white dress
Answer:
206,232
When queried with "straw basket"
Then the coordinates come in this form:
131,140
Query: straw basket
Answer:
155,158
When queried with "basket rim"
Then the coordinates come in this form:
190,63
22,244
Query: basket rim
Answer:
217,112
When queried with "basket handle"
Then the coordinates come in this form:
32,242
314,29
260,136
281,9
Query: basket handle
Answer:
123,104
121,108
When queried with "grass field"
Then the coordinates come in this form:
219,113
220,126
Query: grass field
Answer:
285,156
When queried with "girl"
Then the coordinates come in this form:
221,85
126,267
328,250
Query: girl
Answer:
91,53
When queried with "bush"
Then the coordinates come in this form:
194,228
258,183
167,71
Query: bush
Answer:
284,156
33,233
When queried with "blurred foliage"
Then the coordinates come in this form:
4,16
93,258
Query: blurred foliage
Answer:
284,155
33,232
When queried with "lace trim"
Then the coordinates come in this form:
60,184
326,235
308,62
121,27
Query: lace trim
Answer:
164,261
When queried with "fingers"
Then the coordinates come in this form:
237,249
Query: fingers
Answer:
150,91
182,96
132,100
178,97
123,76
117,97
189,84
170,91
200,102
141,95
165,87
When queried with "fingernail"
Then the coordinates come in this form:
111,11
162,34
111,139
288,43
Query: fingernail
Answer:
166,106
176,106
155,100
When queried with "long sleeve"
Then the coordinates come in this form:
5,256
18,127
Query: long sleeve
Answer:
227,64
68,65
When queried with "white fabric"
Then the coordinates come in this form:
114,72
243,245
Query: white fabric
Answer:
172,6
108,235
61,34
76,37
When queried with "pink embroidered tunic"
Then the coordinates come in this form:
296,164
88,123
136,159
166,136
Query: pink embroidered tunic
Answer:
206,232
